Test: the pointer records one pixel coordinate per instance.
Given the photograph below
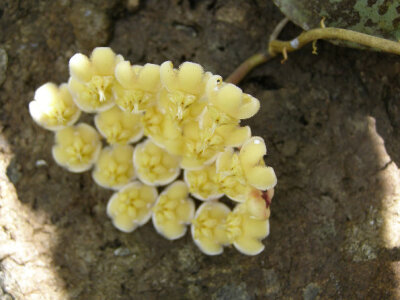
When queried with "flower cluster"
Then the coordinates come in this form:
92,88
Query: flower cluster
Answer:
184,118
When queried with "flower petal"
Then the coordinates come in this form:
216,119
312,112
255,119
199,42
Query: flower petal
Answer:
235,135
103,60
249,107
149,77
124,74
252,152
258,229
80,67
190,76
261,177
124,223
248,245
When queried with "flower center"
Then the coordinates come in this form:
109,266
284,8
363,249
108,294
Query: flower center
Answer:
79,151
101,88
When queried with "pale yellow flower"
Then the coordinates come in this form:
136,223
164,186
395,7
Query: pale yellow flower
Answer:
92,80
200,146
231,177
131,207
208,227
114,167
173,211
162,130
77,147
184,88
251,157
245,232
138,86
53,107
119,127
155,166
239,173
203,184
230,99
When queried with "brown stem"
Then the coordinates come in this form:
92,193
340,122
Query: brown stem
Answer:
306,37
275,46
257,59
248,65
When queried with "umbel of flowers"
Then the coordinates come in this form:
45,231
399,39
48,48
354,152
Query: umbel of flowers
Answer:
181,118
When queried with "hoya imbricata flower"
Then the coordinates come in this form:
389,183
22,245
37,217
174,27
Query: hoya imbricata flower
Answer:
190,119
208,227
203,184
131,206
173,211
240,172
137,87
154,165
92,79
245,231
77,147
53,107
181,97
114,167
230,99
119,127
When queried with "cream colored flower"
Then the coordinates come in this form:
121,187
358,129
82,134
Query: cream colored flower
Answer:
220,123
200,146
130,207
203,183
119,127
191,120
208,227
138,86
114,168
162,130
245,232
77,147
92,80
155,166
230,99
173,211
231,177
239,173
251,157
53,107
184,88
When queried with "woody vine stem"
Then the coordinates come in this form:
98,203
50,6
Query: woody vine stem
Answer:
276,46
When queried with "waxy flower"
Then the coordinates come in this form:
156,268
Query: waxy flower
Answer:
155,166
208,227
119,127
191,120
230,99
251,157
203,183
173,211
162,130
184,88
114,167
53,107
245,231
131,206
77,147
239,172
92,80
230,176
200,146
138,86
